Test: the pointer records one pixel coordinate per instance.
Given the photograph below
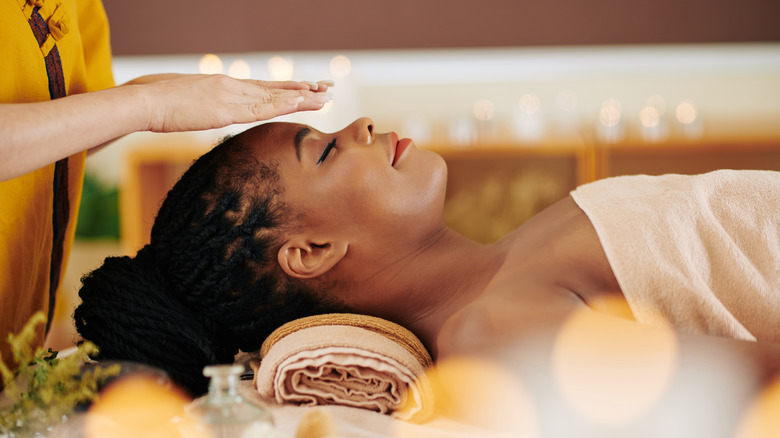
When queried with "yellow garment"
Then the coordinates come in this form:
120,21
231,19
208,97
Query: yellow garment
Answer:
79,29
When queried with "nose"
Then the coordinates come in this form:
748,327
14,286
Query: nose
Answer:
361,130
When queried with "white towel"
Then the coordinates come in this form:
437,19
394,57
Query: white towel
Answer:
698,253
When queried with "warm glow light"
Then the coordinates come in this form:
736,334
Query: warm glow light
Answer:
612,372
484,110
686,112
658,102
210,64
762,419
239,69
529,104
649,117
610,113
280,69
484,393
137,406
461,131
340,66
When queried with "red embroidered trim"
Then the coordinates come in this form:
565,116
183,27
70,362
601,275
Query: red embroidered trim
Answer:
61,203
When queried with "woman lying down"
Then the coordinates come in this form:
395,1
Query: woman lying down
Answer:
283,221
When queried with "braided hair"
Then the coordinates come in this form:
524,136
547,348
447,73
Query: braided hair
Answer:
208,283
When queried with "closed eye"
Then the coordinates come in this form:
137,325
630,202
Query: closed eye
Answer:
327,150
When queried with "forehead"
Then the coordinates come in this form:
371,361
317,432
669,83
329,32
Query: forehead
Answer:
274,137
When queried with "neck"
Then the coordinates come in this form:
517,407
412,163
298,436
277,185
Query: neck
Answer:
436,281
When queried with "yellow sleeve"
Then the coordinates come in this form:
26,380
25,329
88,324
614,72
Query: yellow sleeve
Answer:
95,38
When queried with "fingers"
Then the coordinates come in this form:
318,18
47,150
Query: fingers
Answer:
208,101
305,98
319,86
282,85
324,85
281,102
314,101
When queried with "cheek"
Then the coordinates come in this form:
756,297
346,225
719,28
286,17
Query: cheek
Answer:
383,198
351,191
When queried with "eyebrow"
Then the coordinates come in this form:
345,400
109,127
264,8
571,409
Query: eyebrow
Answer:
302,133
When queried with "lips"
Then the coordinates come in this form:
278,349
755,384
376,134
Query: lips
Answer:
399,146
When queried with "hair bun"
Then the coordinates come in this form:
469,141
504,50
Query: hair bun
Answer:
128,312
146,261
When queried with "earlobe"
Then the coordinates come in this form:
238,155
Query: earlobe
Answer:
302,258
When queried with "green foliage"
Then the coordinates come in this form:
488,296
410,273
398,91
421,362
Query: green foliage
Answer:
44,388
99,210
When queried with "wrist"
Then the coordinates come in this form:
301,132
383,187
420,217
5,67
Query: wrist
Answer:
135,104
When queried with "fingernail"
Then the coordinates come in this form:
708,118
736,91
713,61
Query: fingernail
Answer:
323,97
328,82
295,101
313,86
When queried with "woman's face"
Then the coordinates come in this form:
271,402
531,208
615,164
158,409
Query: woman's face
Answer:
376,189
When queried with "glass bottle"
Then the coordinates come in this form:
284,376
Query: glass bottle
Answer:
224,413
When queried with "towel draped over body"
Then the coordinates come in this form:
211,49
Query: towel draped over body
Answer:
697,253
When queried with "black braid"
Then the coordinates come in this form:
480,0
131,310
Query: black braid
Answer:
208,283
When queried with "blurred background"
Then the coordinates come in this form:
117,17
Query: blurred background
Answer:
524,99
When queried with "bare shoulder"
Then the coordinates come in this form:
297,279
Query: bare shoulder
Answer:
555,265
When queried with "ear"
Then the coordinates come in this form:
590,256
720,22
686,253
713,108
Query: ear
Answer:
300,257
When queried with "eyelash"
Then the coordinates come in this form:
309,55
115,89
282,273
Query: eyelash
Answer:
327,150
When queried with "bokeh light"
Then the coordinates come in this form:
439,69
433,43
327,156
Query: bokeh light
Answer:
239,69
484,110
210,64
138,406
528,122
280,68
612,371
483,393
610,113
686,112
762,419
529,104
658,102
340,66
649,117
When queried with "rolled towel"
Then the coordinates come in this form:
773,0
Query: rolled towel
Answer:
348,360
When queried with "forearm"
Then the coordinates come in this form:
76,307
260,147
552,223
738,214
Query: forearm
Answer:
33,135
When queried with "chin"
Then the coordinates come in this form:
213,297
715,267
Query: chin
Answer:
437,188
440,178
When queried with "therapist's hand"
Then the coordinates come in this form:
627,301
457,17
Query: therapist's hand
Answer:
177,102
160,103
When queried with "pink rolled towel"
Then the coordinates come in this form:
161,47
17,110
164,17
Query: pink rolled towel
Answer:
348,360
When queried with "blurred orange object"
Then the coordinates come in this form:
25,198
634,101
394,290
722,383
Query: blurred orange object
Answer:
138,405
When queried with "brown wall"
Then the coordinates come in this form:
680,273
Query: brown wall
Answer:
141,27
